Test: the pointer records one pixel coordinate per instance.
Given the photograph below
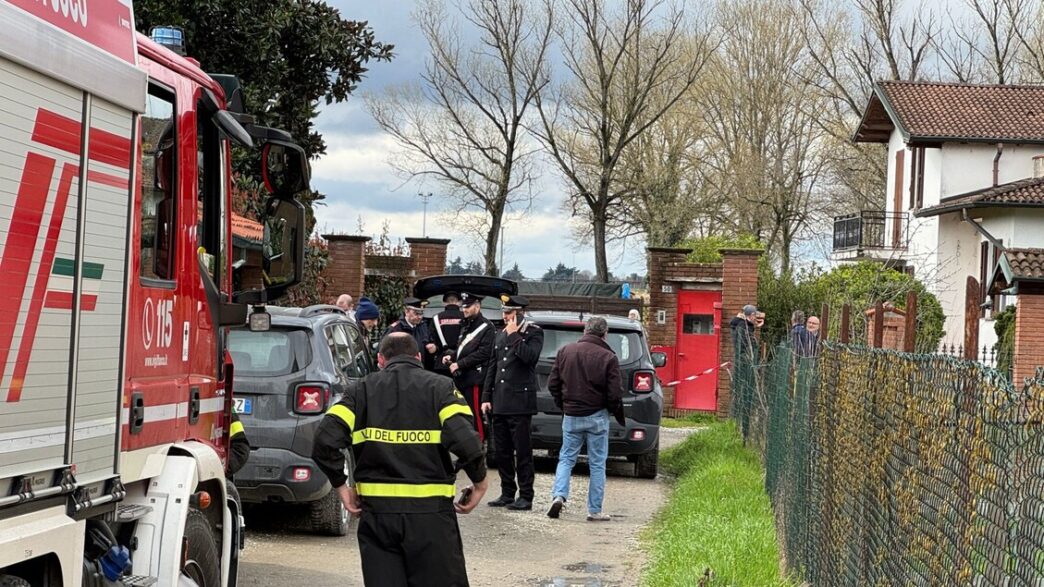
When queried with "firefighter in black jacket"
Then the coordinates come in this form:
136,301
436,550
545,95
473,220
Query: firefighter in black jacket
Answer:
446,331
238,447
510,394
474,349
402,423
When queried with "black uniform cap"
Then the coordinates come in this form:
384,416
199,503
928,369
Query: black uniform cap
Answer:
415,304
513,302
466,299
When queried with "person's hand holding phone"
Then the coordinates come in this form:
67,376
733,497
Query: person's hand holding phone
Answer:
486,407
511,325
471,496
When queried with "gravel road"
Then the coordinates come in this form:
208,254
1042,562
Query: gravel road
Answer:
502,547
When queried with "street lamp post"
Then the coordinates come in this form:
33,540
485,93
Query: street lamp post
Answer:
424,219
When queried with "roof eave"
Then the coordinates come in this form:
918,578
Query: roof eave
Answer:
861,136
985,140
944,209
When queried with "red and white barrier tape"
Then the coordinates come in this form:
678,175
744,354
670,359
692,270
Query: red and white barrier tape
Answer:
698,375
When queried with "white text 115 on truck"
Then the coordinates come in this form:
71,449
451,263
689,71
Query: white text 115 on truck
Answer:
118,259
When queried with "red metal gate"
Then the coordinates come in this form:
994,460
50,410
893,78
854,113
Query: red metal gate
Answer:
698,349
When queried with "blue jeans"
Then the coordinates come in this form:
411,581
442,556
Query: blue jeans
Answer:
593,429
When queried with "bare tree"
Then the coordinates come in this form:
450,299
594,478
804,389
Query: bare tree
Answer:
767,153
627,66
853,45
464,125
985,46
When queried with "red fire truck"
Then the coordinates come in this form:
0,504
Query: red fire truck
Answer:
116,273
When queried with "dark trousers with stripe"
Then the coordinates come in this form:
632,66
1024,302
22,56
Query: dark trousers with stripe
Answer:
514,454
411,550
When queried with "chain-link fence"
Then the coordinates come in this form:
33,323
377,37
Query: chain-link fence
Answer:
887,468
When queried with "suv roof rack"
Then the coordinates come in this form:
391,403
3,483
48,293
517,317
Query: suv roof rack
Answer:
318,309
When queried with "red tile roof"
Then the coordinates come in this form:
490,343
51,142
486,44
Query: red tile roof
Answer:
1025,263
1024,193
937,112
246,228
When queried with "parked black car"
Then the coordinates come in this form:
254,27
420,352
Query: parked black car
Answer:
285,379
639,440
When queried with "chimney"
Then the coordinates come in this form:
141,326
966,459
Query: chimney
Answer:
1038,166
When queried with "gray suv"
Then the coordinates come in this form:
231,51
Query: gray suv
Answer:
284,381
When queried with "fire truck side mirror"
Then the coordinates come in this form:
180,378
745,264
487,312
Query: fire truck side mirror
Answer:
284,169
282,258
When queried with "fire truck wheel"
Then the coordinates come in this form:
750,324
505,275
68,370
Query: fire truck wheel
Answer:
202,561
329,516
12,581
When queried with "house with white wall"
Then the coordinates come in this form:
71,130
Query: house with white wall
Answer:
965,167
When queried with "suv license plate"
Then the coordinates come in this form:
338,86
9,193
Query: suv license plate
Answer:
242,405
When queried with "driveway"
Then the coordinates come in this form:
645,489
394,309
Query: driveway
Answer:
501,547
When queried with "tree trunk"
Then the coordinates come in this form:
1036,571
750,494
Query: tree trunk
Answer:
492,239
599,218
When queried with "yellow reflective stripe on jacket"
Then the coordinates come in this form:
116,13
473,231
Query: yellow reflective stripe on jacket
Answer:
342,412
405,490
452,410
235,428
397,436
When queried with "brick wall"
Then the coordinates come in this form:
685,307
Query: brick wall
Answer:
428,256
346,272
1029,336
739,287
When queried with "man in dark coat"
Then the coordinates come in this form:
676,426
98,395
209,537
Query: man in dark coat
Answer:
586,385
413,323
446,331
510,395
469,361
743,339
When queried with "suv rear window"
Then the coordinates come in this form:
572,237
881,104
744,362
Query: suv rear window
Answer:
276,352
626,344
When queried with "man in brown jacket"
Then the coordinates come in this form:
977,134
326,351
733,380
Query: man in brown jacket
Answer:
585,384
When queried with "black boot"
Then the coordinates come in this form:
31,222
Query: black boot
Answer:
502,501
521,504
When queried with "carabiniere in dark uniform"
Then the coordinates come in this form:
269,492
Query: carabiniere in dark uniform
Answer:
511,387
471,357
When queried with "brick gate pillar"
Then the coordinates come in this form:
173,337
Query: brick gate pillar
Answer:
427,256
660,259
346,272
739,287
1029,335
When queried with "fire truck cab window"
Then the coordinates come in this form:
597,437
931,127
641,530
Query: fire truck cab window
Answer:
158,187
211,184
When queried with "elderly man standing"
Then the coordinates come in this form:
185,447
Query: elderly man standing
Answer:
346,303
585,384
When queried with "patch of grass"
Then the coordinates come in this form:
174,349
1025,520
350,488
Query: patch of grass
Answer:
718,518
693,420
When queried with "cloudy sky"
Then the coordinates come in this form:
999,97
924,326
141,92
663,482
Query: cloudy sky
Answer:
358,181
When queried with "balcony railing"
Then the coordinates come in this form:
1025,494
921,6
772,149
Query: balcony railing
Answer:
871,230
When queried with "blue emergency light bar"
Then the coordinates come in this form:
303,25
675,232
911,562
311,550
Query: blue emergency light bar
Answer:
171,37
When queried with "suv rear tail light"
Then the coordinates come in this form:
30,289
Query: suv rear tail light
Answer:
311,398
301,474
643,381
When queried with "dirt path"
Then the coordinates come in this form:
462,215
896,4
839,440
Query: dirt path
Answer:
502,548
